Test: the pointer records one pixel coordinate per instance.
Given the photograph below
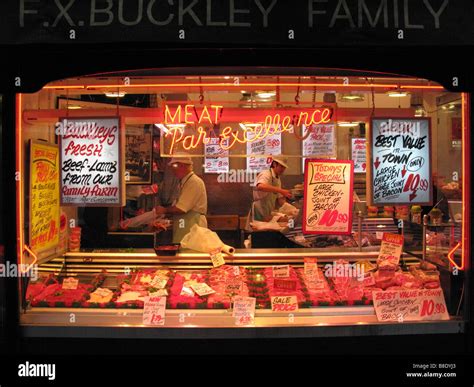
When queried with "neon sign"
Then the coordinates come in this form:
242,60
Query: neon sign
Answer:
272,124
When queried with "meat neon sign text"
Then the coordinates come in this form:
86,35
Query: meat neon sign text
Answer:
272,124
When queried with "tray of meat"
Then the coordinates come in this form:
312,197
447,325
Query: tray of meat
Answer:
141,283
56,296
227,282
182,294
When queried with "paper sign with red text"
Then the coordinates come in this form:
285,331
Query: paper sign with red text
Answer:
284,304
154,310
410,305
244,310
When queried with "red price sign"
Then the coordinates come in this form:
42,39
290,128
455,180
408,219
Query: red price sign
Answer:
328,197
284,304
430,307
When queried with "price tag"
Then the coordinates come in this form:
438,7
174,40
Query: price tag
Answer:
154,310
187,291
70,283
101,292
379,235
234,287
244,310
368,279
236,271
160,293
217,258
202,289
281,271
315,283
284,284
158,282
311,267
284,304
410,305
391,248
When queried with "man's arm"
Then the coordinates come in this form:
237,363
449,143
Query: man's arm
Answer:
270,188
172,210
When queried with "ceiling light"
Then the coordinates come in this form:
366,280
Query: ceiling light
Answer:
265,94
397,93
352,97
74,107
344,124
115,94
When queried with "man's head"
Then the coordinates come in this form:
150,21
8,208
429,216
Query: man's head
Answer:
279,164
181,166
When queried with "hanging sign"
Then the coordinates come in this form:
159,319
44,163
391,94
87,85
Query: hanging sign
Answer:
400,161
359,156
91,161
216,159
321,143
271,145
328,197
44,196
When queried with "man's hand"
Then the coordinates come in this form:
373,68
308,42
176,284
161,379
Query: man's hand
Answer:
286,193
159,210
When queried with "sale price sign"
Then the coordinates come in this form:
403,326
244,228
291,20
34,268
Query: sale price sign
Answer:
359,157
284,304
400,161
328,197
154,310
410,305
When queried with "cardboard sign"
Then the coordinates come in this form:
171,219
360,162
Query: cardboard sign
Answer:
70,283
284,284
217,258
281,271
233,287
160,293
311,267
154,310
391,248
202,289
359,154
244,310
410,305
400,161
284,304
271,145
328,197
216,159
321,143
91,161
44,196
158,282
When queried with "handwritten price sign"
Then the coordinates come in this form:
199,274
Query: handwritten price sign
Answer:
244,310
328,197
410,305
217,159
154,310
284,304
400,162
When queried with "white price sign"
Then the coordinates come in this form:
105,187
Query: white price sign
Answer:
154,310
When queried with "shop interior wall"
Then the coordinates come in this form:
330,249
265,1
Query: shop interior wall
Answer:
235,198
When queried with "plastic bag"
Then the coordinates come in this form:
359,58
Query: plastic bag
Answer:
204,240
289,210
